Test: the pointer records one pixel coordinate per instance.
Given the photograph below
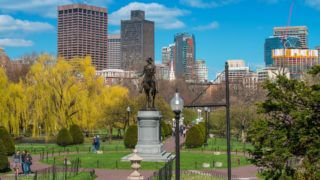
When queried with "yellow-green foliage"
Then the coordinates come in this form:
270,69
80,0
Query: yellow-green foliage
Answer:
57,94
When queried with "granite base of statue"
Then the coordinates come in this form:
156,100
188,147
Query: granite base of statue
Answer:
149,145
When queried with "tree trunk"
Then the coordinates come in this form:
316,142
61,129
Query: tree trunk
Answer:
110,134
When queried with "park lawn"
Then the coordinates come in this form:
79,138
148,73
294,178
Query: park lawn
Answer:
108,160
80,176
112,160
196,177
36,148
194,160
220,144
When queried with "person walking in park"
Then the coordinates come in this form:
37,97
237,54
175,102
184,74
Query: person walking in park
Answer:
94,142
28,161
16,158
98,143
23,155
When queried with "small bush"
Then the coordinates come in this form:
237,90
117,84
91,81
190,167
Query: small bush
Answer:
164,129
202,129
7,140
4,163
194,137
131,136
64,137
76,134
169,130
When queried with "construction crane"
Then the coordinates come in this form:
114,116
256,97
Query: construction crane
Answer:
285,36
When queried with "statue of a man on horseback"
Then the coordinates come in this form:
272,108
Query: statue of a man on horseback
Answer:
148,84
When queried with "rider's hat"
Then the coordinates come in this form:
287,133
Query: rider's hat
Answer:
149,59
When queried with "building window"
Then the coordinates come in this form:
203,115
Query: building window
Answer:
60,12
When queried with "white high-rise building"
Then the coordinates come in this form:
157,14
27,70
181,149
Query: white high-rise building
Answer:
114,51
237,70
168,54
201,71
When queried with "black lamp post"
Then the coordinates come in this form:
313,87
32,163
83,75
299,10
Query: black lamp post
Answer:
177,106
207,110
128,110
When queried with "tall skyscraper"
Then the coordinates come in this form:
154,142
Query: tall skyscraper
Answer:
277,43
294,31
82,31
137,40
185,55
114,51
298,61
201,71
168,54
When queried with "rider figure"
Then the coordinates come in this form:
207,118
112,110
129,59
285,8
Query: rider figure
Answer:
149,72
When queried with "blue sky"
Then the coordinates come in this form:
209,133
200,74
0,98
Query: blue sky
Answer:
224,29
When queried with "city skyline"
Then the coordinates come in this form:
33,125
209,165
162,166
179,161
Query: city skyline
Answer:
220,35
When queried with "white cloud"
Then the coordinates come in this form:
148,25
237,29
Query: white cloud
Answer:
164,17
206,3
15,42
8,23
212,25
45,8
313,3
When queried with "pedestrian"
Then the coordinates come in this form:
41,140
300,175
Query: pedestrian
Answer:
16,158
23,155
28,161
94,142
98,143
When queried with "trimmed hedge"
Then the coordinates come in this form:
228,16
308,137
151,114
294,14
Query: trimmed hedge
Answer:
194,137
202,128
4,163
76,134
131,137
64,137
7,140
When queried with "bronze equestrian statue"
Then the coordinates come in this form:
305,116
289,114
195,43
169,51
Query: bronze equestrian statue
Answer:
149,83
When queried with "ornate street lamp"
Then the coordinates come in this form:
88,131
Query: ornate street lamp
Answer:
177,106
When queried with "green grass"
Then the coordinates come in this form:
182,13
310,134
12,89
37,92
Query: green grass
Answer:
108,160
194,160
196,177
59,176
37,148
112,160
220,144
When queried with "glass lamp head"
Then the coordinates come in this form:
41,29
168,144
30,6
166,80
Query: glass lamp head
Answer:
176,103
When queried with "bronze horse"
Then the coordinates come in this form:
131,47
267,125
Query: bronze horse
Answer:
149,83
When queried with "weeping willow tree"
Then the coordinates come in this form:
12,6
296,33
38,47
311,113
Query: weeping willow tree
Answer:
57,94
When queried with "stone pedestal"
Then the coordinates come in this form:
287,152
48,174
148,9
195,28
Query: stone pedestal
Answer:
149,146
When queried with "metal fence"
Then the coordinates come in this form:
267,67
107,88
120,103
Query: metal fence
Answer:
69,170
164,173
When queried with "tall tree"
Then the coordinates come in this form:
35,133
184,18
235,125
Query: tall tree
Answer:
287,140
